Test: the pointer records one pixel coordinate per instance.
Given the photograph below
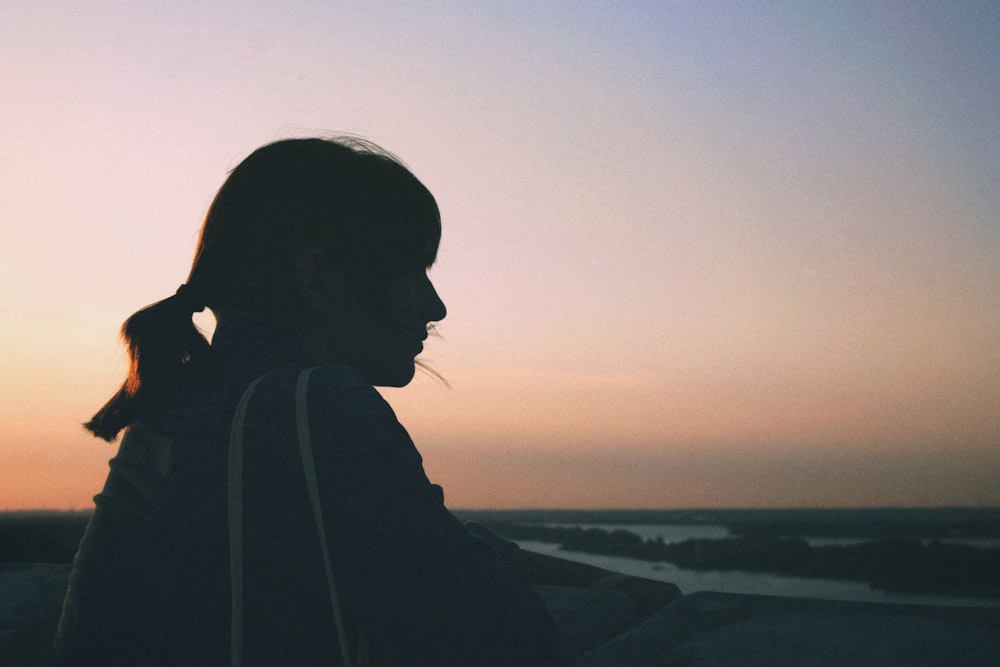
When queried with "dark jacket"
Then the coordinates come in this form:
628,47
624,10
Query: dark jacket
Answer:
150,583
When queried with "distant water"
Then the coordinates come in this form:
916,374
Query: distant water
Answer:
692,581
670,533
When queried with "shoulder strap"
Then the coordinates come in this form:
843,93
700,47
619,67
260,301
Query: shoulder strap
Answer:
236,526
309,466
236,516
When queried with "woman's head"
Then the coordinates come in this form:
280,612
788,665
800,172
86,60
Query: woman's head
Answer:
349,199
333,235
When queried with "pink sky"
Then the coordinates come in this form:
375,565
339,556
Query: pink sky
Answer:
693,256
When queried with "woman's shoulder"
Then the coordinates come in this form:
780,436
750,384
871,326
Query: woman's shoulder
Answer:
335,389
343,412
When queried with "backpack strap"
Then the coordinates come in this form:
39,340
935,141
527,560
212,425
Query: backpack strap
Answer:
235,484
309,467
236,517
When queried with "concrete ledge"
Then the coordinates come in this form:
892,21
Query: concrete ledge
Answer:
708,629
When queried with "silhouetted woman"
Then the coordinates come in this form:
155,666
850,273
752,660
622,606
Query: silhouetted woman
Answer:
265,507
314,254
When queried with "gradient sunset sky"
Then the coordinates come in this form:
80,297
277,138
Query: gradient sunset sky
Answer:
695,254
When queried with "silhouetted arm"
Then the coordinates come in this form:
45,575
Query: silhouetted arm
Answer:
538,569
408,570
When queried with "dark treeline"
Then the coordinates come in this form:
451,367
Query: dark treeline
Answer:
895,565
40,537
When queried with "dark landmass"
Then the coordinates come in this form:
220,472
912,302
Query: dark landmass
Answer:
866,523
41,537
902,549
895,565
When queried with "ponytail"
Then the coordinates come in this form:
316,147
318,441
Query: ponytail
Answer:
166,352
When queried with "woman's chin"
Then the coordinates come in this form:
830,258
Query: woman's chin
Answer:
397,377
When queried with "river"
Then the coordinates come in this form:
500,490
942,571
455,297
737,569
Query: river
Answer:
733,581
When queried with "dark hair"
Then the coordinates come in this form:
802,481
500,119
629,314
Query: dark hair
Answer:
346,196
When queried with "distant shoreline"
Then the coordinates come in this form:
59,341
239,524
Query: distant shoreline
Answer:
874,523
894,557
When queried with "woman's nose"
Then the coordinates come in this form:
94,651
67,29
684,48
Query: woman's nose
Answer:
434,308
